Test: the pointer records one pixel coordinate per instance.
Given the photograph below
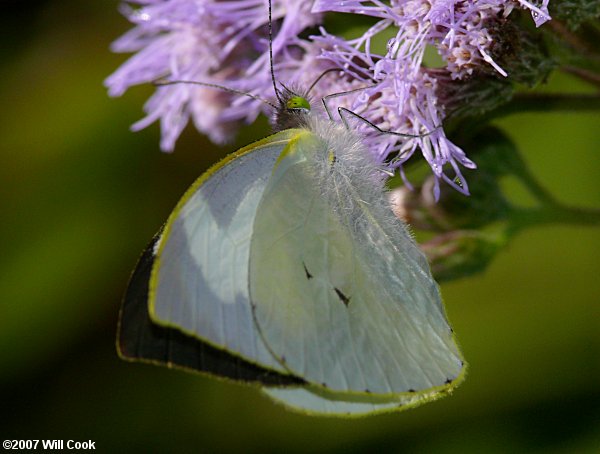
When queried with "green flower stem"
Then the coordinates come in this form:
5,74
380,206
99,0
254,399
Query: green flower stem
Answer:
536,102
548,102
534,187
521,218
525,102
550,209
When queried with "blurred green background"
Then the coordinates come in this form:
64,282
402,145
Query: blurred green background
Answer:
81,196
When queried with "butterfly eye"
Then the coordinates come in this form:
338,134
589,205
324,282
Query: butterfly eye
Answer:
297,102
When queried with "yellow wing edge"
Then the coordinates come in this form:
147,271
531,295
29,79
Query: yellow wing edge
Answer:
420,398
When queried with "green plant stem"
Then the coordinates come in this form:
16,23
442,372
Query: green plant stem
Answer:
522,218
522,172
545,102
526,102
535,188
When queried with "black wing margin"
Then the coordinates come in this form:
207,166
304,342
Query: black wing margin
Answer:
139,339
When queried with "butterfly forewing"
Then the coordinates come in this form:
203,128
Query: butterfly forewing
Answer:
337,295
199,281
138,339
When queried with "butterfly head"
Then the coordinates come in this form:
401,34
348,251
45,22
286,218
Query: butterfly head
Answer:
293,109
298,102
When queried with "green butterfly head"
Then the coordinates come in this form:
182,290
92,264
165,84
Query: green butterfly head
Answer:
293,110
298,102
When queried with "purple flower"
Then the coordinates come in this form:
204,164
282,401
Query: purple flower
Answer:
226,43
210,41
404,98
404,101
458,29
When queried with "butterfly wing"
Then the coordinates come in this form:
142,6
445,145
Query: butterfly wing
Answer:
340,292
314,401
139,339
199,278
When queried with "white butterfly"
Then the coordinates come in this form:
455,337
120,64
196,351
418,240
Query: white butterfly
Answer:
284,265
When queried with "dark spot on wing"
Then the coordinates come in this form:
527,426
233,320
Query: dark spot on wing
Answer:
367,391
343,298
332,160
308,275
448,381
324,385
411,390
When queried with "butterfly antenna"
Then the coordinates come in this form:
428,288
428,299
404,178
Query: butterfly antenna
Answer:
163,82
271,54
318,79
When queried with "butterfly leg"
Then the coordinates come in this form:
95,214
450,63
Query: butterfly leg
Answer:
337,95
342,111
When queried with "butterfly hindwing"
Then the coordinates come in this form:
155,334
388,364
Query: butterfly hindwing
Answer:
314,401
340,293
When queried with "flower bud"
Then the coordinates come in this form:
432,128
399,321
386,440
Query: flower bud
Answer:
496,156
